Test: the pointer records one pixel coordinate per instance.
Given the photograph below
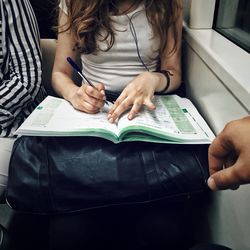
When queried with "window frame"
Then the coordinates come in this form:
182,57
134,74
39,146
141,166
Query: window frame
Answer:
229,35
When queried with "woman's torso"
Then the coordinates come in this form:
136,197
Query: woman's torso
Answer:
116,67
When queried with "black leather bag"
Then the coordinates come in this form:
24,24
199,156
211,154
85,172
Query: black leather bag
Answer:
66,174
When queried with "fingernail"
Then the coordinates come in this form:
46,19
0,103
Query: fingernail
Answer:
211,183
102,92
111,120
130,117
109,115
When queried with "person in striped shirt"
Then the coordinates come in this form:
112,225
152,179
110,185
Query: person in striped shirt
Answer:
20,74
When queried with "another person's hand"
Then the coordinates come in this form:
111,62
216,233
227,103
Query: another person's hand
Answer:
229,156
87,98
138,92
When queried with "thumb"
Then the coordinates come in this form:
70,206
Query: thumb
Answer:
224,179
100,86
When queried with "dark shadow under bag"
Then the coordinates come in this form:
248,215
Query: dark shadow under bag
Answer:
66,174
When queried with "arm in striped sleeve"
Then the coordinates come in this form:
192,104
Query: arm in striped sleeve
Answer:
22,77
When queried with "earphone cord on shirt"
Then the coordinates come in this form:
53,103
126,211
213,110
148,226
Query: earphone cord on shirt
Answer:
165,72
133,32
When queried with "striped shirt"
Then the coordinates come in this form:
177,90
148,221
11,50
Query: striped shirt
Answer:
20,64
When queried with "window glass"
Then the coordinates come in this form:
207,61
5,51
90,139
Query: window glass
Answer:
232,19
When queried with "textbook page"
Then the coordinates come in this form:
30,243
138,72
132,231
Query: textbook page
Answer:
175,119
55,116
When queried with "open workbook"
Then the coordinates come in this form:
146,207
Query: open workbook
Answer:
175,120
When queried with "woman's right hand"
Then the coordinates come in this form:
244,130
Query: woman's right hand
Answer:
88,99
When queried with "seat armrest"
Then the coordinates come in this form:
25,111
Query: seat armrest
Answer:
48,56
48,47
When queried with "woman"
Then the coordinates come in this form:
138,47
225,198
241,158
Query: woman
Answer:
20,74
122,45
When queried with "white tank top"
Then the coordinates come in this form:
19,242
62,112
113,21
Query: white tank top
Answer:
116,67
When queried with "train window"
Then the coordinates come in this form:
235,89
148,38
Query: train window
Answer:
232,19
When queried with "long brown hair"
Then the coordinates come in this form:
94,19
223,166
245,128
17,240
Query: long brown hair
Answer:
89,21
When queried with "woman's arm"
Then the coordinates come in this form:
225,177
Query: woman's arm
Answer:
141,90
21,64
84,98
62,72
171,60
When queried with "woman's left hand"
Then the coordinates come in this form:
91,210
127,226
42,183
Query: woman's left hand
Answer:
138,92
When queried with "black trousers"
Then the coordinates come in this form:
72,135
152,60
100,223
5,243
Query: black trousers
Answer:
157,225
148,226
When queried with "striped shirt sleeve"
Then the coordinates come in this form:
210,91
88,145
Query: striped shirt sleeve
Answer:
21,83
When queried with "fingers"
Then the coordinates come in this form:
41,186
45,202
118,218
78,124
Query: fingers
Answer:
97,92
136,108
221,155
101,89
121,105
125,103
229,156
217,154
89,99
149,104
226,178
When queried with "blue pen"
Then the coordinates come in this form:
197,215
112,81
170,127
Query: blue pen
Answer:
79,72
